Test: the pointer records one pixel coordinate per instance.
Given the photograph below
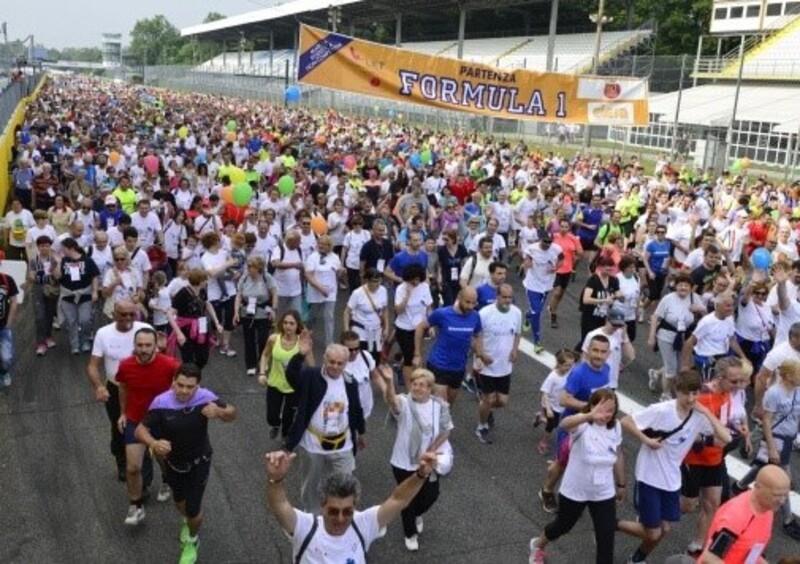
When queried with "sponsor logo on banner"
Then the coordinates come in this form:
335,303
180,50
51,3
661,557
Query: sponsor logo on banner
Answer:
619,89
332,60
618,113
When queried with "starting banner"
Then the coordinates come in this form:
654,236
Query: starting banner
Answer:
332,60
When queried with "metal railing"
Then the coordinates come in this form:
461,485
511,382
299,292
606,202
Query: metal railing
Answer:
784,69
12,92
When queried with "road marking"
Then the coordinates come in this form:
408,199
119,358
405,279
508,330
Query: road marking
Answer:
736,468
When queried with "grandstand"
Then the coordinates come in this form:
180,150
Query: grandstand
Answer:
573,53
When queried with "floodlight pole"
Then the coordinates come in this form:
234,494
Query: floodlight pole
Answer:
462,25
678,108
551,36
601,19
729,134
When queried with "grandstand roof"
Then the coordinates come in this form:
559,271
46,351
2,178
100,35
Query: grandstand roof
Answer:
285,17
712,105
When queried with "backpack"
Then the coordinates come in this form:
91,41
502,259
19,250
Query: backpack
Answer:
310,535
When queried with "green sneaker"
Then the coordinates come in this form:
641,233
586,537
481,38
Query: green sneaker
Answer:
184,536
538,348
526,326
189,552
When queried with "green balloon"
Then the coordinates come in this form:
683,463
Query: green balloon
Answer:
427,157
736,167
286,185
232,125
242,194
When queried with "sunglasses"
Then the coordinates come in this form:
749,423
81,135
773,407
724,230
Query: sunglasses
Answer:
120,259
126,314
353,349
344,512
759,293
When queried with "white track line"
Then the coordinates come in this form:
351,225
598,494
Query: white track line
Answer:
736,468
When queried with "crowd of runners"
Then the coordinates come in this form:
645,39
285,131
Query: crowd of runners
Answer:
156,225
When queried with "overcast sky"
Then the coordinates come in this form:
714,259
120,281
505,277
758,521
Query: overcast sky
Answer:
79,23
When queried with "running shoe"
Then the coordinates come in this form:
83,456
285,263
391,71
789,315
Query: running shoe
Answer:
50,343
483,434
549,503
164,493
251,371
412,544
538,555
419,523
184,534
694,550
470,385
41,348
135,515
553,321
654,377
526,326
538,347
189,552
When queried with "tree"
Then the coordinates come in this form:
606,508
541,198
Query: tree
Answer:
213,16
155,41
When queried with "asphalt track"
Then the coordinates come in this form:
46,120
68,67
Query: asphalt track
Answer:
60,501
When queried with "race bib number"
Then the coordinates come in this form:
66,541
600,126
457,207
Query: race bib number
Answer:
202,325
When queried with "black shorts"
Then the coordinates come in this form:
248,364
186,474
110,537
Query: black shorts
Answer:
655,287
588,245
494,384
405,340
694,477
224,311
189,487
450,378
562,280
552,422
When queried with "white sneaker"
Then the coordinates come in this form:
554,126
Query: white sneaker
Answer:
665,397
412,544
419,524
653,375
251,371
164,493
135,515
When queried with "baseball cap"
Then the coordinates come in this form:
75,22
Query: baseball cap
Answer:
110,200
616,316
547,237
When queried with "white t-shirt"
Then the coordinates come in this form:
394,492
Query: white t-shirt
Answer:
503,213
500,330
589,475
212,262
207,224
176,285
287,279
615,355
103,259
174,236
552,387
131,283
542,274
360,369
112,346
498,244
18,225
35,232
147,227
713,335
353,242
363,312
779,353
754,322
159,304
662,468
785,321
330,418
630,289
417,306
140,261
675,310
476,267
324,270
327,549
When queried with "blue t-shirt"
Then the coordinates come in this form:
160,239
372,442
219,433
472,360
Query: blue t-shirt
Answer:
591,216
487,294
401,260
583,380
455,332
659,255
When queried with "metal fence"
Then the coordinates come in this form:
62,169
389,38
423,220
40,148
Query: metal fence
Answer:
12,92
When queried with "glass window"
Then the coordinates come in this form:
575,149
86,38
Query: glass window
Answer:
753,11
737,11
774,9
792,7
720,13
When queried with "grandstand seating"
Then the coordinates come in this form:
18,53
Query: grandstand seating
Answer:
573,53
775,59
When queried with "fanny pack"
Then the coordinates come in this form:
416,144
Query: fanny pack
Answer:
329,442
188,466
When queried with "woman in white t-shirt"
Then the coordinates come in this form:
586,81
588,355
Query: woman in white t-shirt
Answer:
351,251
367,314
594,477
123,283
322,271
668,326
755,322
423,425
221,289
630,287
412,304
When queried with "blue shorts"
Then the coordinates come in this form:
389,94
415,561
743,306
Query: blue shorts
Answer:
656,505
130,433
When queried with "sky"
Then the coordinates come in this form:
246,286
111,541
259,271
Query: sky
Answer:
79,23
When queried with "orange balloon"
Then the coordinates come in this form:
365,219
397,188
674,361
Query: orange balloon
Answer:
319,225
113,158
231,136
226,194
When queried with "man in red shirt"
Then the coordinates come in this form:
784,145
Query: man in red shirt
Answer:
742,528
141,378
462,188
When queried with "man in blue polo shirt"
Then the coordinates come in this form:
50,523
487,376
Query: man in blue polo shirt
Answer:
590,375
487,292
589,224
656,261
458,330
412,255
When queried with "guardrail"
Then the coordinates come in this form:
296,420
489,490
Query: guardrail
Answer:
775,69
